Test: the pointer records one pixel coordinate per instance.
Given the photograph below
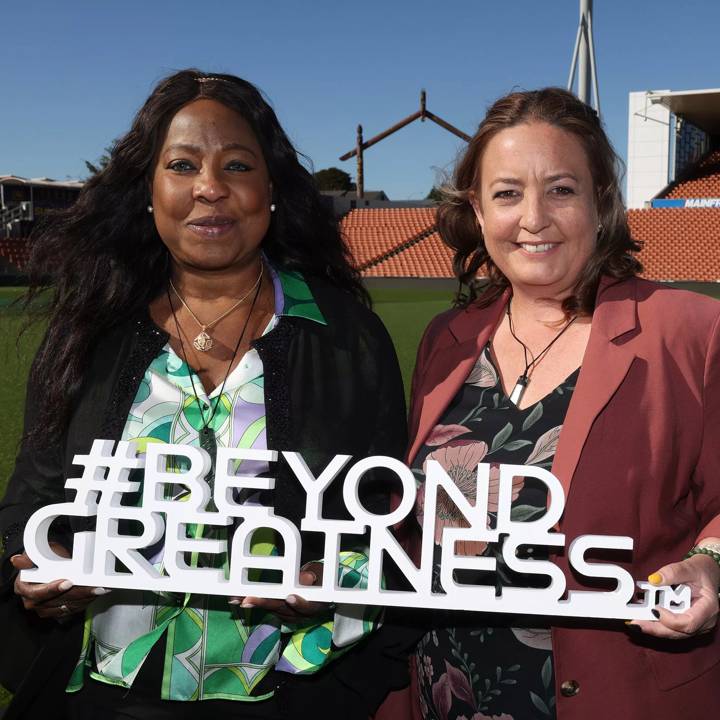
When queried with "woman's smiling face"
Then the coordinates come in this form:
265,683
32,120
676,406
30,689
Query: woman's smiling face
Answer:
535,202
211,189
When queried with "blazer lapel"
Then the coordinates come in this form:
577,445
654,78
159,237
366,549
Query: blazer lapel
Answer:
605,364
455,354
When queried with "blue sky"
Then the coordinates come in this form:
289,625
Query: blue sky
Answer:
75,72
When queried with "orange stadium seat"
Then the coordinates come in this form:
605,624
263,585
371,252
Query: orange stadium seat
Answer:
702,180
679,243
16,251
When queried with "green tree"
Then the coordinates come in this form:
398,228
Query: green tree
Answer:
333,179
435,194
101,163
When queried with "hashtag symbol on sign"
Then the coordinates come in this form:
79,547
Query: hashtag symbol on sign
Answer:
106,471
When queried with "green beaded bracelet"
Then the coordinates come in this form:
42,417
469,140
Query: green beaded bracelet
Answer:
700,550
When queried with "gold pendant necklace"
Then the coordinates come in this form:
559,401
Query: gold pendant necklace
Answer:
206,434
202,341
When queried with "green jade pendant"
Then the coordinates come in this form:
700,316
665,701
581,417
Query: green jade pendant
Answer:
208,443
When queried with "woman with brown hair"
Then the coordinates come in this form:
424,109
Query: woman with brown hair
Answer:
561,357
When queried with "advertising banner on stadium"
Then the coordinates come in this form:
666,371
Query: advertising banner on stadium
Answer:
686,203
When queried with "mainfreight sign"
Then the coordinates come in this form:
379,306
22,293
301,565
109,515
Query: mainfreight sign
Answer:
687,203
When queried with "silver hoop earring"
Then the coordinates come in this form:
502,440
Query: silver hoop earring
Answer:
272,207
599,228
150,209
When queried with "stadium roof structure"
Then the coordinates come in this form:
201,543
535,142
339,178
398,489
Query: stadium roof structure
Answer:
44,181
699,107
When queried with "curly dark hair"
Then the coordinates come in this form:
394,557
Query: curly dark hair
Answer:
461,232
102,258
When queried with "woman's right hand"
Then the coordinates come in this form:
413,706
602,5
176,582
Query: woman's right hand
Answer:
58,599
702,575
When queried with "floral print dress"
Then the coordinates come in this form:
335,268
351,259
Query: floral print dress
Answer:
473,666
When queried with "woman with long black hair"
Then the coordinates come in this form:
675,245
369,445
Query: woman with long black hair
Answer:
200,294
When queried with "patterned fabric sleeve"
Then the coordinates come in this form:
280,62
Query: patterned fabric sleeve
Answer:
314,644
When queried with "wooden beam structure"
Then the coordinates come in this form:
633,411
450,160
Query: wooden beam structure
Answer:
361,145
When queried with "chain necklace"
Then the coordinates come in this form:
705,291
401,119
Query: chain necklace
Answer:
202,341
207,434
524,380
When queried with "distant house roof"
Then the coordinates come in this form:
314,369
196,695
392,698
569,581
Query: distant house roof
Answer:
44,181
367,195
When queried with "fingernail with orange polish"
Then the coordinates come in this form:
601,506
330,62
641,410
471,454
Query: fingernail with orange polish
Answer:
655,579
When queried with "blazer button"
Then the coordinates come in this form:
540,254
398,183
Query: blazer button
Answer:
569,688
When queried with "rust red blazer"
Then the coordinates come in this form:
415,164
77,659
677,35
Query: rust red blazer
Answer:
639,455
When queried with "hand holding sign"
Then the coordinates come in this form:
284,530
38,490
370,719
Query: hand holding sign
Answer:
702,575
58,599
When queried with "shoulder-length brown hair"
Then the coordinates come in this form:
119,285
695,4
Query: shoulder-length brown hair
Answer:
459,228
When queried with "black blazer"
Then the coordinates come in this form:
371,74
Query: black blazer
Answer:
329,389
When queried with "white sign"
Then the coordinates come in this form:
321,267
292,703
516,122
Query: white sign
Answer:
702,203
105,480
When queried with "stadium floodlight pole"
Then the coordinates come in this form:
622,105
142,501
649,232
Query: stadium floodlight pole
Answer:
583,60
593,62
420,114
583,53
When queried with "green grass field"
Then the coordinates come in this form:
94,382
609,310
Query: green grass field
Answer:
406,313
15,357
16,353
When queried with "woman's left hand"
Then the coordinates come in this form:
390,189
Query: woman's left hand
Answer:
293,608
702,574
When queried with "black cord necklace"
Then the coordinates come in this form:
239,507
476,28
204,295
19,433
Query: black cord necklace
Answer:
524,379
207,434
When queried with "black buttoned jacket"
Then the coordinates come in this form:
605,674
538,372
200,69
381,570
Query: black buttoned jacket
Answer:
329,389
